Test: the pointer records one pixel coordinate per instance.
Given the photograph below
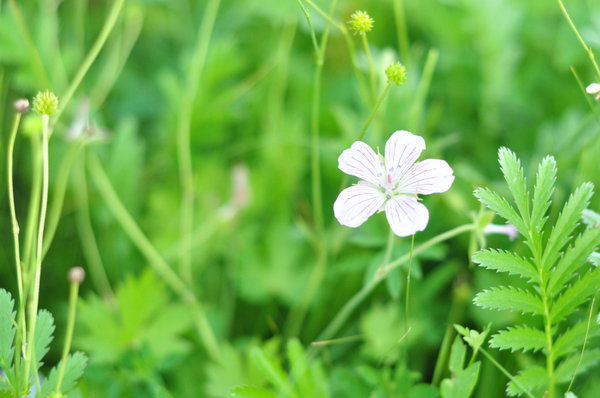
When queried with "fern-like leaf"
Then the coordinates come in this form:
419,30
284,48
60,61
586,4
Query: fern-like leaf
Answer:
519,338
503,261
509,298
575,295
44,328
544,187
573,338
73,370
567,368
530,379
574,258
500,205
7,329
566,222
513,174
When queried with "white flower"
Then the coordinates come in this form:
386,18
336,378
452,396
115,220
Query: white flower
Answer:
391,183
593,88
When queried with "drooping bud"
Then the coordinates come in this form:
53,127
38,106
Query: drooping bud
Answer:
396,74
22,105
76,275
45,103
360,22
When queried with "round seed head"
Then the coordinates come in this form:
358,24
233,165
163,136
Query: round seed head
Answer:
45,103
21,105
360,22
396,74
76,275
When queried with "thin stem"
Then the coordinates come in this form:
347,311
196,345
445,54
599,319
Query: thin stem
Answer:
587,49
313,36
419,102
506,373
73,296
389,248
587,333
338,321
407,298
34,303
155,260
374,111
403,42
184,122
107,28
365,44
33,210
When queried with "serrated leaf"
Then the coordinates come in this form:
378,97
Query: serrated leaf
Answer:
504,261
508,298
590,218
7,328
474,338
500,205
251,392
272,371
566,222
44,328
519,338
529,379
566,369
513,174
74,367
574,258
575,295
573,338
544,187
457,355
462,384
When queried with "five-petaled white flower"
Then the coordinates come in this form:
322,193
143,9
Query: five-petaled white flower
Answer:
391,183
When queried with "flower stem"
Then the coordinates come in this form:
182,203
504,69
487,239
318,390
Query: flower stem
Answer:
506,373
403,42
365,44
73,296
407,298
338,321
385,92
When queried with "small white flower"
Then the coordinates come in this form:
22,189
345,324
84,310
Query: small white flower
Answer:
593,88
506,229
390,184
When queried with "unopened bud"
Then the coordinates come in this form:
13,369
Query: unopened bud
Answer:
76,275
45,103
22,105
593,88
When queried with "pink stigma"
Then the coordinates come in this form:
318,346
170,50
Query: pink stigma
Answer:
389,179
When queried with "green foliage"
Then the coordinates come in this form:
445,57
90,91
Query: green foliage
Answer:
73,370
463,380
559,276
7,329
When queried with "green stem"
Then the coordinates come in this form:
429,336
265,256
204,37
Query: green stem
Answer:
403,42
184,155
58,196
108,26
34,303
33,210
505,372
338,321
374,111
407,298
155,260
419,101
365,44
73,296
587,49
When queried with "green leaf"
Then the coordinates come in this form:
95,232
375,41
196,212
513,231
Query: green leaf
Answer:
573,338
73,370
251,392
594,258
272,371
530,379
567,368
508,298
462,384
519,338
7,328
575,295
513,174
474,338
544,187
590,218
457,356
566,222
497,203
299,368
504,261
574,258
44,328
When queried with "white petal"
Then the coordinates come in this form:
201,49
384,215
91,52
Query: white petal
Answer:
401,150
361,161
406,215
427,177
593,88
356,204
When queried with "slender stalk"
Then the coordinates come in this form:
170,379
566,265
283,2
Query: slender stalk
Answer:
407,298
107,28
33,210
338,321
587,49
585,339
419,102
155,260
34,303
384,94
365,44
505,372
73,296
402,33
184,155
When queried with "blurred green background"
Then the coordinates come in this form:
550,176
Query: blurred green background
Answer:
501,76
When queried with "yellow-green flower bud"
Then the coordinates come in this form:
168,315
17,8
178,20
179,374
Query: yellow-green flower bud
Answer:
360,22
45,103
396,74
